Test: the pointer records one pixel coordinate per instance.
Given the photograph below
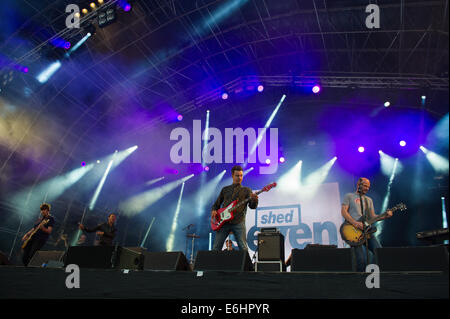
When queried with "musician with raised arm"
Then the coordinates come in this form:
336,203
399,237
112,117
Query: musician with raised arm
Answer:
351,211
105,231
236,225
36,237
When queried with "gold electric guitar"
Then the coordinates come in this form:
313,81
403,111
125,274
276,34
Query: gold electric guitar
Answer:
26,241
356,237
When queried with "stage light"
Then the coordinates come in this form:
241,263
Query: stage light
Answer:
100,1
444,214
291,181
387,104
84,10
106,17
67,45
207,168
79,43
260,88
45,75
361,149
83,163
92,5
316,89
423,97
180,117
126,6
389,164
153,181
439,163
282,159
315,179
402,143
136,204
98,161
48,190
224,96
207,192
267,161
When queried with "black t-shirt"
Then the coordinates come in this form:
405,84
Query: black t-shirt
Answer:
40,234
109,232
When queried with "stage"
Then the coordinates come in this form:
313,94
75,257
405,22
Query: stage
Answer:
50,283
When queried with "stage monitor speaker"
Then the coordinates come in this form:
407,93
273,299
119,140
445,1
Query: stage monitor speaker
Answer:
270,246
322,259
42,258
4,261
102,257
427,258
130,259
165,261
234,260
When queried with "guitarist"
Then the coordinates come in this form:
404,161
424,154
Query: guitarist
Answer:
38,240
237,225
351,211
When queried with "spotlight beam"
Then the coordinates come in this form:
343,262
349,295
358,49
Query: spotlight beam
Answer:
388,194
48,190
291,180
171,238
315,179
439,163
100,186
148,231
268,123
206,193
136,204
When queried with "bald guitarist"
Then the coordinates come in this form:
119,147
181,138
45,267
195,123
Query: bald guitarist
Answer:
36,237
351,211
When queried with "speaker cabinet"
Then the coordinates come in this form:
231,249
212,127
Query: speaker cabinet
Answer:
42,258
165,261
321,259
103,257
270,246
234,260
4,261
427,258
130,259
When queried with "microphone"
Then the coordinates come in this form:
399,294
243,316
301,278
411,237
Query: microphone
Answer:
188,226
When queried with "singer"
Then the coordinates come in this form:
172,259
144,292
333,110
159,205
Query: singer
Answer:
351,211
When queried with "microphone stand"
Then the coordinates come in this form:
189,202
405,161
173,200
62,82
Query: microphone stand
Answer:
366,243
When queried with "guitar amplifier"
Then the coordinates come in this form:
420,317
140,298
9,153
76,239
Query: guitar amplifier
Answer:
270,246
277,266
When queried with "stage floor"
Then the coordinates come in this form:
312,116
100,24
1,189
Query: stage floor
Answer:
23,282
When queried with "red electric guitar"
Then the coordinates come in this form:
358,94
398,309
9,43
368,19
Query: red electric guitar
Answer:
227,213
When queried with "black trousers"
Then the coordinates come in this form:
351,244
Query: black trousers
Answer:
33,246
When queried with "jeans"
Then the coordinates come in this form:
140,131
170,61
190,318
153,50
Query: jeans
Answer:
32,247
239,232
360,254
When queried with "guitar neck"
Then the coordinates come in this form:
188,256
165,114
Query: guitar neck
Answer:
246,200
379,217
